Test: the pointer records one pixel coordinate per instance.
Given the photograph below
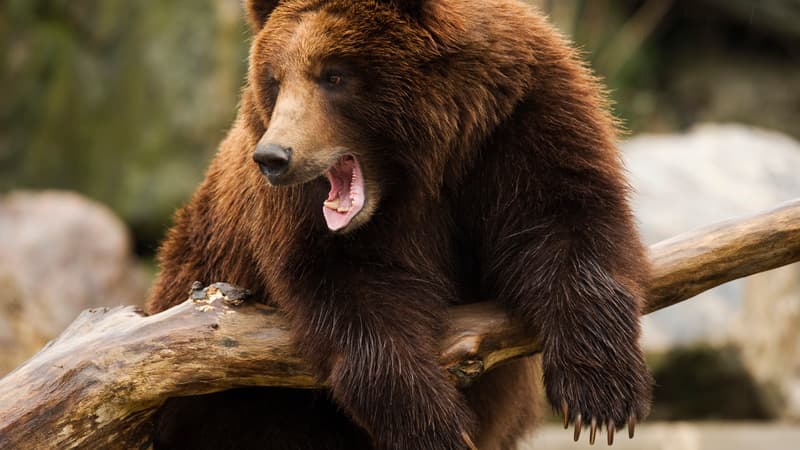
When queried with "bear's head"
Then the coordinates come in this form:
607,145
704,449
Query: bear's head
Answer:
338,90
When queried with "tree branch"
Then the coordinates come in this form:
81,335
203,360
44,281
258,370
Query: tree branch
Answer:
101,381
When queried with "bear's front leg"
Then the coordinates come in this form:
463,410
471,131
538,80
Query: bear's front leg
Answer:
583,298
594,369
379,351
402,400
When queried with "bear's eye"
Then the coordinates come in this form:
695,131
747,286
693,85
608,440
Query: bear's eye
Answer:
272,87
269,76
332,79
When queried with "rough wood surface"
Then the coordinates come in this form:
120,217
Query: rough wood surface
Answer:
693,262
99,383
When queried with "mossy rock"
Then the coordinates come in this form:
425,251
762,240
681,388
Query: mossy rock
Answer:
707,383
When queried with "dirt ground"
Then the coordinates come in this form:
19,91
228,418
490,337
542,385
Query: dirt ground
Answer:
677,436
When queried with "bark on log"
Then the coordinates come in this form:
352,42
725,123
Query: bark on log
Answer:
100,382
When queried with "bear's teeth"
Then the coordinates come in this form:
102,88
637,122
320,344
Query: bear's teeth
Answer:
336,205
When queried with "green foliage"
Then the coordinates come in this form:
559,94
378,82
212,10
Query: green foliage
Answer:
617,38
124,101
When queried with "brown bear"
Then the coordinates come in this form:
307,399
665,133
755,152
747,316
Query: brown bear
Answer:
391,158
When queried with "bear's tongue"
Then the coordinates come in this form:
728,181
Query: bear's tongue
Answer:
346,197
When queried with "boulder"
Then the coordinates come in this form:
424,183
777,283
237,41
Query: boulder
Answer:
60,253
710,174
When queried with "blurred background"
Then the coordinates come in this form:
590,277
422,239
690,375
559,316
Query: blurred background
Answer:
110,111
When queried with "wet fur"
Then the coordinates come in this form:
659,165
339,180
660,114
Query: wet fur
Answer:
499,177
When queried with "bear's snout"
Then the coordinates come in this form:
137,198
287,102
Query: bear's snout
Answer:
273,160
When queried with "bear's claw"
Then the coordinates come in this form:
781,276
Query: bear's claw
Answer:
631,426
610,427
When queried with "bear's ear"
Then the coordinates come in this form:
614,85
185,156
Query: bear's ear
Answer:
258,12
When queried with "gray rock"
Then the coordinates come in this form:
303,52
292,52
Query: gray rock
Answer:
714,173
59,254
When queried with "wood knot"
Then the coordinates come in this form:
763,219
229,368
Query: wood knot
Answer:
467,371
229,294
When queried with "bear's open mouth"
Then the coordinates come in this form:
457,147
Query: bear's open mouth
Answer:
346,198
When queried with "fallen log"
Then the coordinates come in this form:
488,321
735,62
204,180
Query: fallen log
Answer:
100,382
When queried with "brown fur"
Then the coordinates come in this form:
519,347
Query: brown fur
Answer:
490,158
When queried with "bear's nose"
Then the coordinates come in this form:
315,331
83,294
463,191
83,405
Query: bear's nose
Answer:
272,159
